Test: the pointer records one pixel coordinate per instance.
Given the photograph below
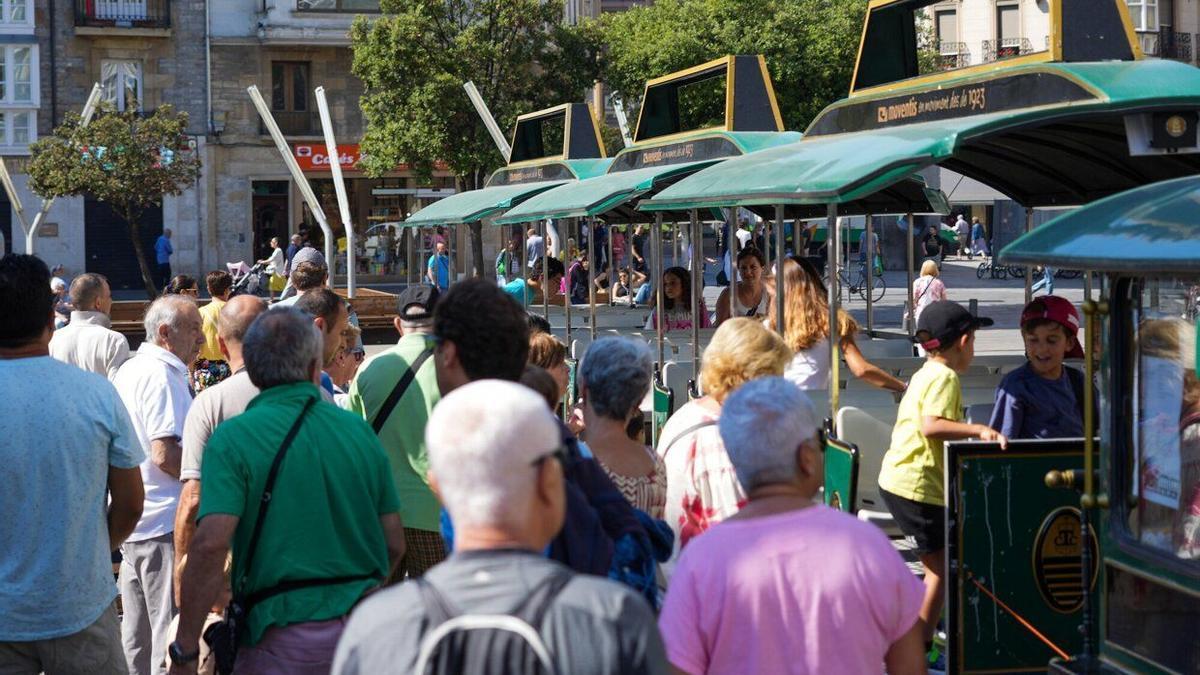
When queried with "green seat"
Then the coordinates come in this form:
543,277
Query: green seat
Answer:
841,474
664,405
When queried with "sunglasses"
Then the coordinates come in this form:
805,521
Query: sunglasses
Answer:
559,453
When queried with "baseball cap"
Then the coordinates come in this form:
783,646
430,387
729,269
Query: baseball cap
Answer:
1060,311
310,255
424,296
945,321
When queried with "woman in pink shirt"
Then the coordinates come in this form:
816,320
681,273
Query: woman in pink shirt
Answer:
788,585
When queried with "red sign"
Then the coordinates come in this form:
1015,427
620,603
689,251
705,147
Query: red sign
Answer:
315,157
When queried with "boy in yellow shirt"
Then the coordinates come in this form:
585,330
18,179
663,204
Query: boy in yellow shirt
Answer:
911,479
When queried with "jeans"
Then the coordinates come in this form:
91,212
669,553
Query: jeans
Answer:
1047,281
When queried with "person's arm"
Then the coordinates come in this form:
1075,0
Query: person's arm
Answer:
942,429
723,306
906,656
865,370
120,354
185,527
167,455
126,498
203,579
1008,413
393,534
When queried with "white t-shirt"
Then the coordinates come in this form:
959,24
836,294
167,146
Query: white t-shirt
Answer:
809,368
962,228
744,236
87,342
276,262
154,387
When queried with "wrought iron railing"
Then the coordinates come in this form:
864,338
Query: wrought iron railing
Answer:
1177,46
953,55
123,13
1008,47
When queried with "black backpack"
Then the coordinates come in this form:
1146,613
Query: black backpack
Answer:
487,644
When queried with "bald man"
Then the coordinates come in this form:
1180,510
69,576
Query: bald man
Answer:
211,407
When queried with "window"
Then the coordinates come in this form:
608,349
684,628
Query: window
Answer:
17,128
337,5
121,84
18,75
289,86
1165,510
1008,22
16,13
946,25
1144,14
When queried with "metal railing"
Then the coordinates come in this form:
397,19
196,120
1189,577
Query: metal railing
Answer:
123,13
1008,47
1172,45
953,55
294,123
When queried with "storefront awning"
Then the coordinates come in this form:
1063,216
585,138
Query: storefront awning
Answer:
1047,155
1151,230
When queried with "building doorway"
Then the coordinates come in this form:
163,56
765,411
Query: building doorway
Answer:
270,207
109,249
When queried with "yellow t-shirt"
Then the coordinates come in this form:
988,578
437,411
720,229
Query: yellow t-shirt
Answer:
912,467
208,314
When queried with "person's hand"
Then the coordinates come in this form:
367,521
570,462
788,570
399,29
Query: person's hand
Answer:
987,433
575,420
183,668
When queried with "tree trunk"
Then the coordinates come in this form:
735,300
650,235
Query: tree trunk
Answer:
143,264
477,248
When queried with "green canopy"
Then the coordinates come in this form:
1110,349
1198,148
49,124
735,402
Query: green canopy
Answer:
629,179
474,205
1152,230
1044,155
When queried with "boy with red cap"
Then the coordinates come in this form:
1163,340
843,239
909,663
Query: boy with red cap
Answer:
1044,398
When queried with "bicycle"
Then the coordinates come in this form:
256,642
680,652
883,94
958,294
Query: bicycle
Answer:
990,268
859,283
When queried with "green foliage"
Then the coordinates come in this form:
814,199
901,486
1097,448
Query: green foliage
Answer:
810,46
129,160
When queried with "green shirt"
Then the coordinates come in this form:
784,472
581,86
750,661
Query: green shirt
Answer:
323,520
403,435
912,466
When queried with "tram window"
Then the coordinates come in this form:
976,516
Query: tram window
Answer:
1165,513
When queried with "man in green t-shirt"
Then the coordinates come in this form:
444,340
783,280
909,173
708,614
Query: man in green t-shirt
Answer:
331,530
402,429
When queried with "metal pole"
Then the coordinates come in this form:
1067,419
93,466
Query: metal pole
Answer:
869,258
659,297
339,187
524,267
545,272
488,121
697,290
89,109
766,226
909,264
1029,269
591,276
780,259
835,294
569,224
734,245
613,272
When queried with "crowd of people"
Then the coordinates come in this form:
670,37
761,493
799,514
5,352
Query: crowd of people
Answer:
446,504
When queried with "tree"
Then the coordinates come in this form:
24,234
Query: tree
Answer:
414,59
129,160
809,45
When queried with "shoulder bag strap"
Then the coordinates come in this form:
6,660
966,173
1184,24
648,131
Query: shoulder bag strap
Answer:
266,495
687,432
393,398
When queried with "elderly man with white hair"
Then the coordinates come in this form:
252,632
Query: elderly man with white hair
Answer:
494,452
823,591
154,387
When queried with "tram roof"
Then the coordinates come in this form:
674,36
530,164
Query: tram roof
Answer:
507,187
1045,134
1151,230
642,170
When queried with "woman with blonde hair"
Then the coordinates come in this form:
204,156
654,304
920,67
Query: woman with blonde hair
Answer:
702,488
927,289
806,331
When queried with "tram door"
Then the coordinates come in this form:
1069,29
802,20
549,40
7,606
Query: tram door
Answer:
1015,587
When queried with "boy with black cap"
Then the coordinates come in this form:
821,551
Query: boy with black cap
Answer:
1044,398
395,391
910,480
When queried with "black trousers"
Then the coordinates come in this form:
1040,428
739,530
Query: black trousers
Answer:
164,275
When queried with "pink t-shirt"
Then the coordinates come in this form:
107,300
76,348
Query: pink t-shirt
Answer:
811,591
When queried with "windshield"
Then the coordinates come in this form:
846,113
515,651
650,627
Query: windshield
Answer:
1165,513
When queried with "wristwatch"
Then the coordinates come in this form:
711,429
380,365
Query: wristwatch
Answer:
175,651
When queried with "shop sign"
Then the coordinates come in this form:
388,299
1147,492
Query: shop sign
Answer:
315,157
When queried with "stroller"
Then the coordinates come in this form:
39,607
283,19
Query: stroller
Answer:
246,280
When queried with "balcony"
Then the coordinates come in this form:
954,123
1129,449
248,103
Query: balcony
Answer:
994,50
292,123
146,17
1167,44
953,55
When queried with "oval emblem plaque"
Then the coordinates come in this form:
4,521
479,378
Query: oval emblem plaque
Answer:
1057,560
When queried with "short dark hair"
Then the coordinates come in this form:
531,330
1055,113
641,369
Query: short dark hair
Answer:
554,268
487,326
321,303
307,275
537,323
178,284
219,282
26,301
752,250
539,380
86,288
